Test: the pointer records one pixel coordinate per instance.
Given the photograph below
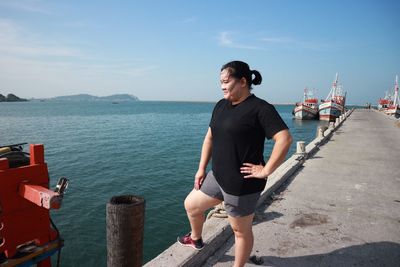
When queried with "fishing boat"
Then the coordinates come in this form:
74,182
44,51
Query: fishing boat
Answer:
393,108
308,108
28,236
333,106
383,103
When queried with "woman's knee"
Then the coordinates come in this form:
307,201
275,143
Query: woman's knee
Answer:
197,203
242,227
242,231
191,205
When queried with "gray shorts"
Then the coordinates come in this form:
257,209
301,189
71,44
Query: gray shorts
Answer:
235,206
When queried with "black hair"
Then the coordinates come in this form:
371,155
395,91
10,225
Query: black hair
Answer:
240,69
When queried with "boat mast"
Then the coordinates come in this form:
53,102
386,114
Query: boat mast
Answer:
396,92
305,95
335,86
332,93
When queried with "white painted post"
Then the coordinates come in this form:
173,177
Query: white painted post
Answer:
320,131
301,147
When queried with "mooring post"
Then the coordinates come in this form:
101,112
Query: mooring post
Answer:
321,131
301,147
125,226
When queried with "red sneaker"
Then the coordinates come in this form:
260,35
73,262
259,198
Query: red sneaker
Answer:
187,241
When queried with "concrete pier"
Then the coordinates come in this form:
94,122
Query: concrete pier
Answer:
342,208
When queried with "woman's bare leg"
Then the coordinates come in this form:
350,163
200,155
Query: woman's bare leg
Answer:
196,203
242,228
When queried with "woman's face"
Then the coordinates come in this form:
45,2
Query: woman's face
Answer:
232,88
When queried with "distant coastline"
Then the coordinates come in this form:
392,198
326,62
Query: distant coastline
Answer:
11,98
74,98
117,98
90,98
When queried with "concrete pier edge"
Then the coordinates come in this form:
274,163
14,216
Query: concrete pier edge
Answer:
217,231
387,116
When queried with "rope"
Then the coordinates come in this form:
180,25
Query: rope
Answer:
218,212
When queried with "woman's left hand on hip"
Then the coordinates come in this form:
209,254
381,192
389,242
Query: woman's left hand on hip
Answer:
253,171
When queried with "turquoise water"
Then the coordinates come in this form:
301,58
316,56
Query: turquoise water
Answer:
142,148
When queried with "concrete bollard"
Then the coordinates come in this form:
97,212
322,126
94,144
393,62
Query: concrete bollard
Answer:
332,124
320,131
125,225
301,147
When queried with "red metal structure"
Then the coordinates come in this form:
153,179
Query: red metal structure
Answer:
25,201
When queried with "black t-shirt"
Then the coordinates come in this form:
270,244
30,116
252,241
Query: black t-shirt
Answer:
238,135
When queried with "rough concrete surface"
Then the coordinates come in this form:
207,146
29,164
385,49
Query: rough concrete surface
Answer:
341,209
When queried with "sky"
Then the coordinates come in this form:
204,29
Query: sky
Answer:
173,50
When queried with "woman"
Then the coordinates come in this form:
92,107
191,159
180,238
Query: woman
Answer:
235,139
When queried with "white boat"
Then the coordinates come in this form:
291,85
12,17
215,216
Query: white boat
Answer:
383,103
393,107
308,108
333,106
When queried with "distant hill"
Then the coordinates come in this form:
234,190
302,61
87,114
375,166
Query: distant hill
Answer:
11,98
86,97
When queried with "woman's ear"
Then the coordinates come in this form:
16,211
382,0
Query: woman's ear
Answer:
243,82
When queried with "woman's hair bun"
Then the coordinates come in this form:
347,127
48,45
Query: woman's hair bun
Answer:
257,77
240,69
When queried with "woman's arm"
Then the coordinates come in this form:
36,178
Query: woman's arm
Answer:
283,140
204,159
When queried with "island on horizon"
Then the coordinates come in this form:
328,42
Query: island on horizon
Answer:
11,98
86,98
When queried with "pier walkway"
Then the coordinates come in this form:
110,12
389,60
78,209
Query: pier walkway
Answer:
342,208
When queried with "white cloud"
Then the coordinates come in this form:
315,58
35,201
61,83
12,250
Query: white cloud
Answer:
14,45
24,50
34,65
32,78
225,39
77,24
113,69
34,6
8,30
277,40
37,78
14,42
138,71
189,20
290,42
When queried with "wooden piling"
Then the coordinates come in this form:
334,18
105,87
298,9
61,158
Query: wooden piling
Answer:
125,226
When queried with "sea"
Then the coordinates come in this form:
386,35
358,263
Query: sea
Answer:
143,148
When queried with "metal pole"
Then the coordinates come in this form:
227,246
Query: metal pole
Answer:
125,225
